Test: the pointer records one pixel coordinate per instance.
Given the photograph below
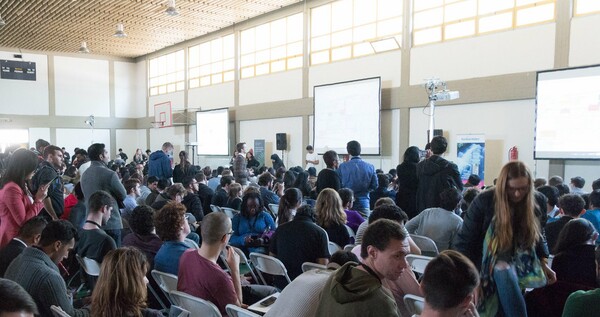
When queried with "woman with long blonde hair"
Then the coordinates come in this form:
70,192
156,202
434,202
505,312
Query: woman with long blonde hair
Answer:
331,216
121,286
502,234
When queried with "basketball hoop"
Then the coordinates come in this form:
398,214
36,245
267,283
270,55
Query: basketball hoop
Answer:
158,124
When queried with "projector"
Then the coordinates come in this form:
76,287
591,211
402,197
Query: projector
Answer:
445,95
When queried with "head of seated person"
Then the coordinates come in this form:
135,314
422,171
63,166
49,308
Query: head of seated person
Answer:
171,223
16,302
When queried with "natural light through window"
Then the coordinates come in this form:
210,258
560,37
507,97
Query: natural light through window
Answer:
211,62
166,73
272,47
351,28
440,20
583,7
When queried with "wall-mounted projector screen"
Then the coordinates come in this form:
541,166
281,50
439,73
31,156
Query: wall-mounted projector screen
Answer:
212,132
347,111
567,114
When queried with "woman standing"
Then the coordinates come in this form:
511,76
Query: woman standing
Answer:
502,234
183,169
17,204
121,287
331,216
406,197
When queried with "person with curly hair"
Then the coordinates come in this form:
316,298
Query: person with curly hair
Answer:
143,235
121,287
172,227
250,224
331,216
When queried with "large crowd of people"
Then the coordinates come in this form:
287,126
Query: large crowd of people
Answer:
520,247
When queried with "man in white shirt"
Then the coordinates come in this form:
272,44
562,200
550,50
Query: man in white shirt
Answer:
312,158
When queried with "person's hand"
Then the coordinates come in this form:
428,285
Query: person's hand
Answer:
233,259
41,193
470,311
550,275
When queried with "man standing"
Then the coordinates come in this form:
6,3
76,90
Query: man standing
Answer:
240,171
99,177
436,174
36,269
93,242
49,172
200,275
359,176
159,164
312,158
356,290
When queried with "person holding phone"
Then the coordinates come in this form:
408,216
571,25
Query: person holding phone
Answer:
49,172
17,204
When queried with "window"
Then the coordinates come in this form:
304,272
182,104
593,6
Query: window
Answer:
440,20
211,62
583,7
351,28
166,73
272,47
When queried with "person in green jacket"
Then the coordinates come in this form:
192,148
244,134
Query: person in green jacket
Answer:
356,289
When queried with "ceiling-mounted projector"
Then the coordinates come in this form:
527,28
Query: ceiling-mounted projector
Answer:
445,95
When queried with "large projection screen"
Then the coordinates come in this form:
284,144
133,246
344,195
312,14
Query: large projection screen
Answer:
567,114
212,132
348,111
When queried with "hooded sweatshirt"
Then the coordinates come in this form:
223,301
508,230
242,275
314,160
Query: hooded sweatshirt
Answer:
435,174
159,165
354,292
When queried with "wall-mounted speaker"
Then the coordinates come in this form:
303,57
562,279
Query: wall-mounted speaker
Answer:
281,141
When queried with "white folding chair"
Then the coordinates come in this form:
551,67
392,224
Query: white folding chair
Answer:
167,282
58,312
215,208
230,212
274,208
248,263
414,304
236,311
89,266
198,307
418,262
349,247
307,266
427,246
183,313
268,264
333,247
350,232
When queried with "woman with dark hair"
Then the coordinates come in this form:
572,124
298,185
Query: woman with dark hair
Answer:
121,287
234,200
302,184
574,259
289,202
250,160
289,178
251,224
328,177
277,162
184,168
17,203
406,197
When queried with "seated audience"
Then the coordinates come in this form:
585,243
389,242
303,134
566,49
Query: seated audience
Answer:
353,217
132,187
449,284
234,196
440,223
201,276
299,241
121,288
574,260
300,296
467,198
143,235
302,183
77,212
29,235
36,269
172,227
357,290
584,303
93,242
16,302
250,225
555,180
472,181
571,207
552,195
221,194
331,216
381,191
148,189
593,214
191,200
175,193
184,168
577,184
161,185
265,181
539,182
205,193
290,201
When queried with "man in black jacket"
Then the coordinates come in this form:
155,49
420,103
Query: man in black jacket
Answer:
436,174
191,200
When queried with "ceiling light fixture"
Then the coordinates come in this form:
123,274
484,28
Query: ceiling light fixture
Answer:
119,32
2,22
171,8
84,49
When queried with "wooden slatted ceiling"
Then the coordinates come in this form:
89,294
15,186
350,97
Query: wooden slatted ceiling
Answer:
61,25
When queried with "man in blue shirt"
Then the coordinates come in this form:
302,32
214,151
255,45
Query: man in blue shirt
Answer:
593,214
359,176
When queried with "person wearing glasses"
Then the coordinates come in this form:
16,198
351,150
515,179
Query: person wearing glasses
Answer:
200,275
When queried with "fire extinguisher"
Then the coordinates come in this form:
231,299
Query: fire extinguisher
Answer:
513,154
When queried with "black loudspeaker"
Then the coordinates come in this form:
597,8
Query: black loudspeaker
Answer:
436,132
281,141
